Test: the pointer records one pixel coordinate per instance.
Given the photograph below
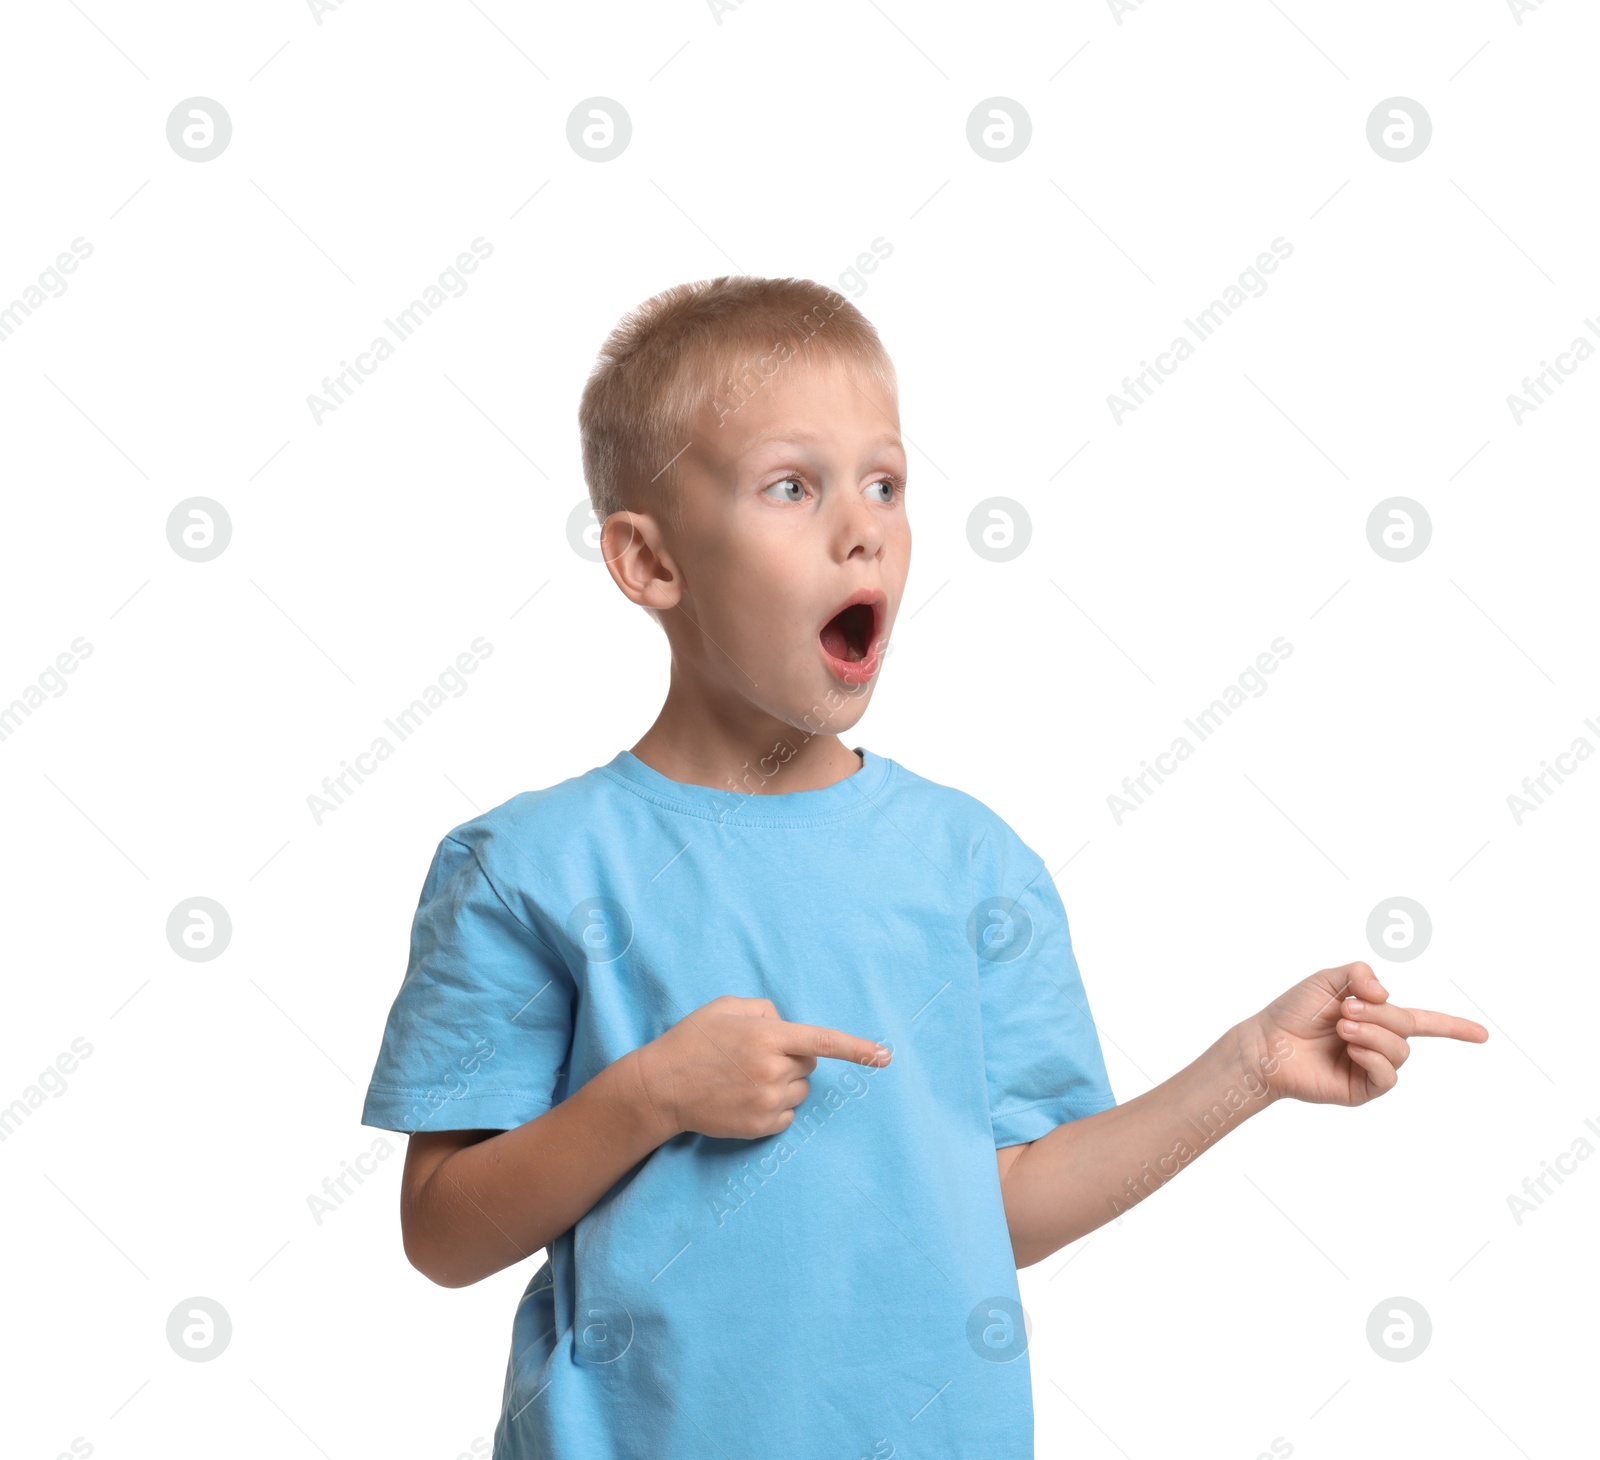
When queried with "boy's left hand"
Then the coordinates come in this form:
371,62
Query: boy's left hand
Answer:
1345,1040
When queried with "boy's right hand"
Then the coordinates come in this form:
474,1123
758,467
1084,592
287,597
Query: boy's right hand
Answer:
734,1068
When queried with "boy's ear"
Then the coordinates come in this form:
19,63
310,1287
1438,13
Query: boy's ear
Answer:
638,560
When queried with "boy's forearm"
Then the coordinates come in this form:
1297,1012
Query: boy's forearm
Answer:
1081,1175
500,1200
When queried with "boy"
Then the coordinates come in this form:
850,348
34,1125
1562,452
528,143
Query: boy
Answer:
649,1014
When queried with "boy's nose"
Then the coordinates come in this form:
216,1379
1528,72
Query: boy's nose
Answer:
856,527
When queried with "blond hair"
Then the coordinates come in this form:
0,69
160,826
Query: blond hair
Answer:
710,343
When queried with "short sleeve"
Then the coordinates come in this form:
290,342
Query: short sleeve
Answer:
1041,1051
479,1034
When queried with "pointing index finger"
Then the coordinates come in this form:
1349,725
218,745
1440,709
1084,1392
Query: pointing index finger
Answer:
833,1044
1448,1026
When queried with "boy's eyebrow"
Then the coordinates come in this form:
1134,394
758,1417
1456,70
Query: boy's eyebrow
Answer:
796,436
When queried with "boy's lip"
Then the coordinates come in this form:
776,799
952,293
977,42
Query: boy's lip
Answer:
858,671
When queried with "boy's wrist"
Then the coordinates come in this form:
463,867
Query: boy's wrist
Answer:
1257,1058
639,1088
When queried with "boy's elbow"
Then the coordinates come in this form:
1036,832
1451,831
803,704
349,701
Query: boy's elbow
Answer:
1026,1257
419,1254
442,1239
432,1264
420,1217
425,1254
446,1264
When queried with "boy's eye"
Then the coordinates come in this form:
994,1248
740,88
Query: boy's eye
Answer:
889,486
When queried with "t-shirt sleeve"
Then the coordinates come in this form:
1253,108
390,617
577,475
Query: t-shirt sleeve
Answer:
479,1034
1041,1050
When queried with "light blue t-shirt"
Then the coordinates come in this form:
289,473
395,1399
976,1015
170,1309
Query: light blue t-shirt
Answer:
845,1288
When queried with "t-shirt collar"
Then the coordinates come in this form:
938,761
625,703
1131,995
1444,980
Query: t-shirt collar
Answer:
744,801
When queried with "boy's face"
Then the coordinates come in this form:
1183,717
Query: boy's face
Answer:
793,506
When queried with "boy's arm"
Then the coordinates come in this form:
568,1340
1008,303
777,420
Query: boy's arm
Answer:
474,1202
1332,1039
1082,1174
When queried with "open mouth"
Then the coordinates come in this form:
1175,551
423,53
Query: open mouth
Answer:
848,634
850,638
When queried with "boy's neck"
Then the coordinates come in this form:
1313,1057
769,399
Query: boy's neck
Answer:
786,760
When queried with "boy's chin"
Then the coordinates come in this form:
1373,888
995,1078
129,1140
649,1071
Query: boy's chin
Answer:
835,707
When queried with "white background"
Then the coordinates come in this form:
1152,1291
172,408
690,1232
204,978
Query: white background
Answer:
1168,150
